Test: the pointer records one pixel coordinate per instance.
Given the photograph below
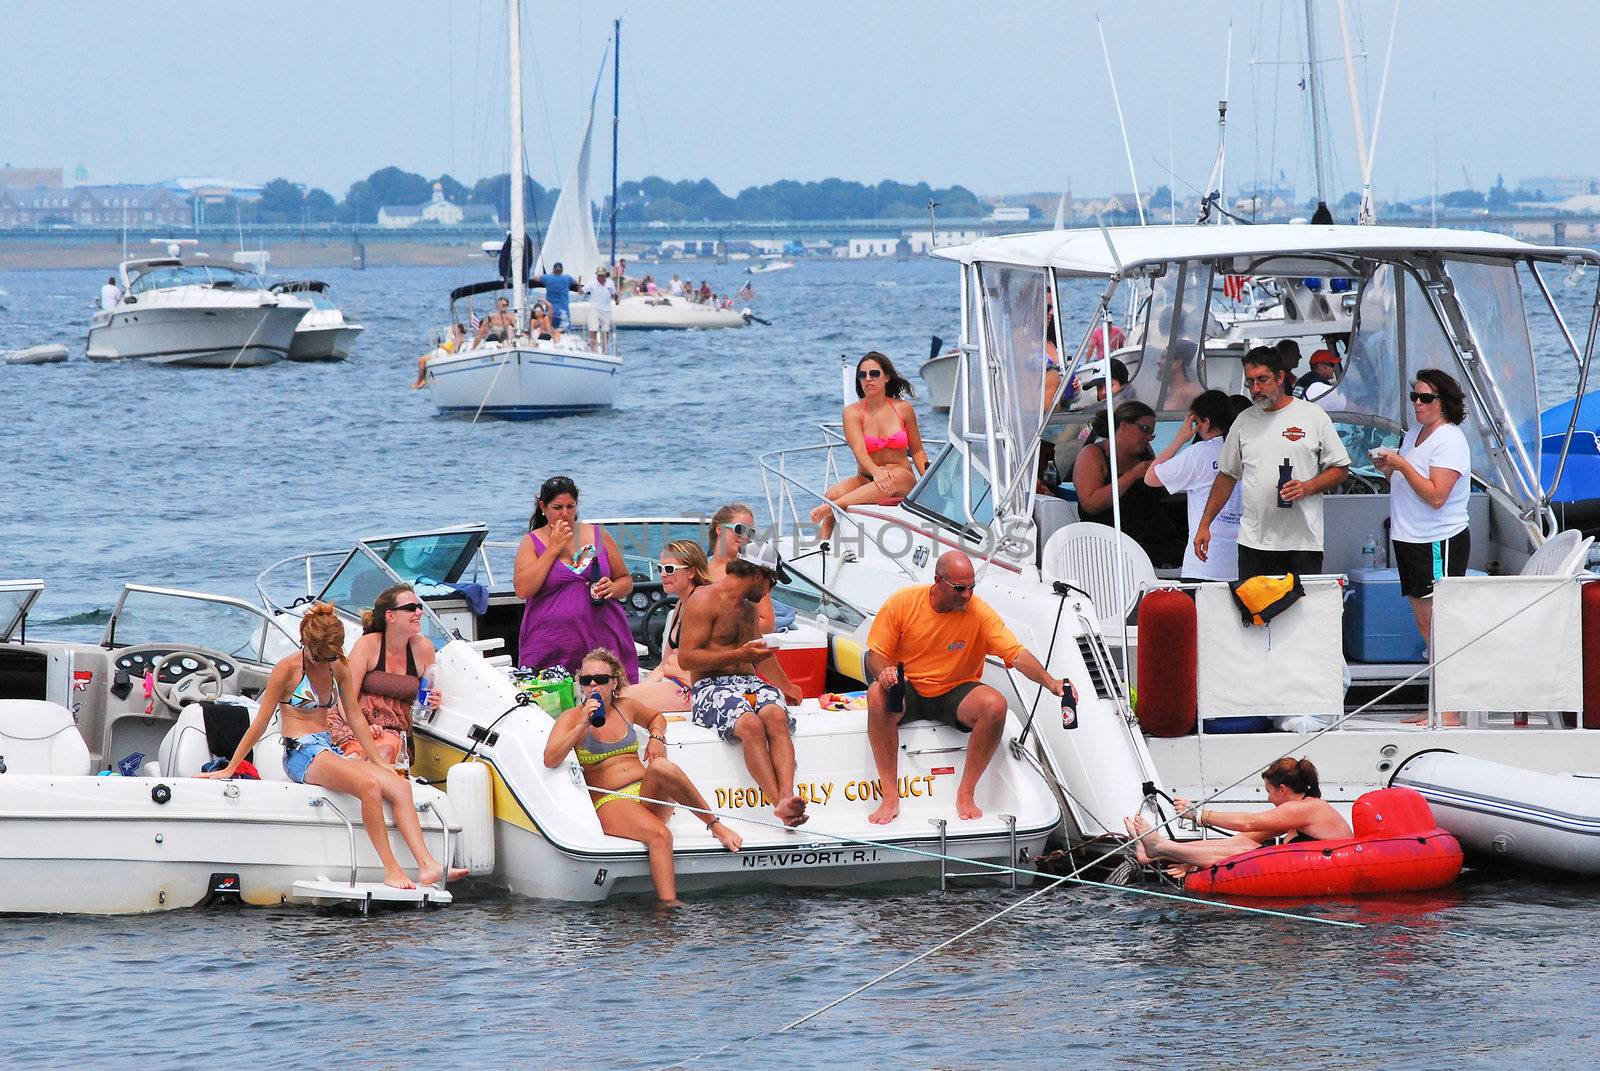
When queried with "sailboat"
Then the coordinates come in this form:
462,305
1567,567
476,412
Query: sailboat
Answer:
526,377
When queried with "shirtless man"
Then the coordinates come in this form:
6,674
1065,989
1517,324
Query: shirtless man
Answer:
720,646
498,326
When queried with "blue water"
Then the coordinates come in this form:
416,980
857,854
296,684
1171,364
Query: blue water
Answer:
200,479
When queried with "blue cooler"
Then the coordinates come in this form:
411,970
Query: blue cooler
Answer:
1378,623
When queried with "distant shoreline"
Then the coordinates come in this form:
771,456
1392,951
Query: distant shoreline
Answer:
33,255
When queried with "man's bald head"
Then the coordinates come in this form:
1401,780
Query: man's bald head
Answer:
952,584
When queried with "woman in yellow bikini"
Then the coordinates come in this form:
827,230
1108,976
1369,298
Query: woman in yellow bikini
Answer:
609,755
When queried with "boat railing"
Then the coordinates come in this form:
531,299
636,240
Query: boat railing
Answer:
302,568
790,497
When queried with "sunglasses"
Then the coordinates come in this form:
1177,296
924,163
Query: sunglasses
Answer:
741,529
870,373
959,589
1423,397
406,608
668,570
587,679
1147,430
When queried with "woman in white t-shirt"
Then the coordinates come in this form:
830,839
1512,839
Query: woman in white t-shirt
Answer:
1429,483
1192,472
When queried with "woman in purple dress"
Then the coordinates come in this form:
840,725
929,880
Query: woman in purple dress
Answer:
574,580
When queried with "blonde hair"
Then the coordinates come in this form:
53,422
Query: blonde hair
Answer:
724,516
603,654
377,618
322,632
689,553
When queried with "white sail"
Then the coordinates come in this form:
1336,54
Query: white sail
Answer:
571,240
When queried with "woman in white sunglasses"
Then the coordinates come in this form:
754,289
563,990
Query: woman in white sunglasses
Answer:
683,568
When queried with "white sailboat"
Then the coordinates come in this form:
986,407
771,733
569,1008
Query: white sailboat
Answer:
526,377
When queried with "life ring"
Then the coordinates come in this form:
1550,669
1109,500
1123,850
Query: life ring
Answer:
1397,848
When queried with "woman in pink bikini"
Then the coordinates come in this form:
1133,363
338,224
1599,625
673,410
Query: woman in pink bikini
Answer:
882,432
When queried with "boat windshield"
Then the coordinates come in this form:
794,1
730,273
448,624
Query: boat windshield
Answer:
938,497
427,561
214,275
16,596
808,598
173,615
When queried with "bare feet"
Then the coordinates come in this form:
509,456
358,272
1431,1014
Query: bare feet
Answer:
725,836
670,903
822,517
396,879
887,811
966,807
1138,830
430,875
419,384
791,811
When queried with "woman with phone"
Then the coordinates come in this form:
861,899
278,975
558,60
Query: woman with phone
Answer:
631,799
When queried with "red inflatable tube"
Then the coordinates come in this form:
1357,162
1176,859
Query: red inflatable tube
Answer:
1168,691
1397,848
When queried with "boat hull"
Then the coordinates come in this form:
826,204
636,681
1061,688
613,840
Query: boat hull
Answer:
523,383
662,314
324,343
105,845
195,337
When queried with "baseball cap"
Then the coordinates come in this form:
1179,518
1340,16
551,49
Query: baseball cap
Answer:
765,556
1094,373
1324,357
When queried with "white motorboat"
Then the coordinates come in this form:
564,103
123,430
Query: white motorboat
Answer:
770,264
1503,814
548,841
46,354
184,310
523,377
664,312
151,836
1440,298
324,333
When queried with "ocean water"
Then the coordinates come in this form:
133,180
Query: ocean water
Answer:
202,478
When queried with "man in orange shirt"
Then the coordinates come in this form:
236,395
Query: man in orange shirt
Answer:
941,633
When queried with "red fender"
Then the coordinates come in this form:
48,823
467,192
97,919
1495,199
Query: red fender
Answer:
1169,691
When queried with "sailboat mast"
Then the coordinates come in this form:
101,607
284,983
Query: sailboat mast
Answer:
616,107
1314,82
519,285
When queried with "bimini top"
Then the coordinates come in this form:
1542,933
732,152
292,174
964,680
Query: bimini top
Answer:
1084,251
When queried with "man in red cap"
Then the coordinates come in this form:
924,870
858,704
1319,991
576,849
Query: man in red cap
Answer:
1325,369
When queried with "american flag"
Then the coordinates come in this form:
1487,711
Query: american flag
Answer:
746,292
1233,286
472,323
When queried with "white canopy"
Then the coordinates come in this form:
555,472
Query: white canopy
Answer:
1084,251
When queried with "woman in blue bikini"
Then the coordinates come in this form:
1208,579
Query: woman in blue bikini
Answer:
304,689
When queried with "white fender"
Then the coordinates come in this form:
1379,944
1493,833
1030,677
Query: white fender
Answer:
472,800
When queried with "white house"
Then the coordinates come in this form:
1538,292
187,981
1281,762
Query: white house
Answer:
872,247
922,241
437,212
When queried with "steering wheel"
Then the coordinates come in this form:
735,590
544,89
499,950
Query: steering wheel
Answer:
189,688
652,631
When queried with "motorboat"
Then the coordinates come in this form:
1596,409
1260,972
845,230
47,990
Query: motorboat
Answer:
324,333
184,310
45,354
770,264
664,312
524,377
1334,677
100,811
548,842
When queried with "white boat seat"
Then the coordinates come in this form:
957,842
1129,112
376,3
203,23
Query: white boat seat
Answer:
184,751
1563,554
1090,556
41,738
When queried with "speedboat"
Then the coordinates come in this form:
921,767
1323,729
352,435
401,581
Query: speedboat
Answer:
664,312
185,310
324,333
769,264
100,811
548,842
1333,677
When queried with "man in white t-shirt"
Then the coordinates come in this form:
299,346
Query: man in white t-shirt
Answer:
675,288
602,297
1192,472
110,294
1285,454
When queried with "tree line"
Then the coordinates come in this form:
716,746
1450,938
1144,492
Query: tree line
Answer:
642,200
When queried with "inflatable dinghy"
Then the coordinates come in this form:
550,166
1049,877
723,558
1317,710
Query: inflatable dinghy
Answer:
37,355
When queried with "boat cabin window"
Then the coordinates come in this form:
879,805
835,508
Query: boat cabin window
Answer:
1177,315
217,275
937,495
164,615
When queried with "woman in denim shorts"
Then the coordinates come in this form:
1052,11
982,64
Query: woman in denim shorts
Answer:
303,690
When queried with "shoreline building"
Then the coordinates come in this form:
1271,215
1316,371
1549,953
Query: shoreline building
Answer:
438,213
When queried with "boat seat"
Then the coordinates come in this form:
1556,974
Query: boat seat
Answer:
41,738
1091,555
184,751
1563,554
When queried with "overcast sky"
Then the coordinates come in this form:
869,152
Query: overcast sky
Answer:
1000,97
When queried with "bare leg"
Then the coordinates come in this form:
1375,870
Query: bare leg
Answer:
358,778
631,820
822,516
883,733
666,780
422,372
1422,610
780,746
752,736
984,710
1151,846
397,790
